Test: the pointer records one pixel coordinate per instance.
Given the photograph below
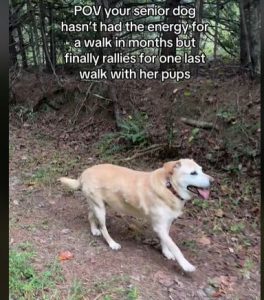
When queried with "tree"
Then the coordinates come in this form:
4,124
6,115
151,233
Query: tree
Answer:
170,35
250,27
195,50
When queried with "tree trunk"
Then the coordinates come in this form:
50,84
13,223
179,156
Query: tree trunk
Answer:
243,41
108,51
170,19
195,51
250,16
22,47
35,45
12,50
43,36
16,24
31,41
216,28
51,34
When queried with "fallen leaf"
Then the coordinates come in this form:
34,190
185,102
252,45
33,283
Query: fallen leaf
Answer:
231,250
164,279
225,189
204,241
178,282
65,255
31,183
226,285
219,213
217,294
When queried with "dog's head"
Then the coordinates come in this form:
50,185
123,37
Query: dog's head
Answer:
188,178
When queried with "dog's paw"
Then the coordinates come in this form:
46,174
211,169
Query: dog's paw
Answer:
187,267
115,246
96,231
168,254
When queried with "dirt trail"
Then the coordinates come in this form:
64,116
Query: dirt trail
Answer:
52,219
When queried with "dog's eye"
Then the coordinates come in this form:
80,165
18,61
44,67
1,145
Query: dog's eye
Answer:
194,173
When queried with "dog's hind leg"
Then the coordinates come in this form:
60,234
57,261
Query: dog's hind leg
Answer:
99,212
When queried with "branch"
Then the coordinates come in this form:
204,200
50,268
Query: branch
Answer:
200,124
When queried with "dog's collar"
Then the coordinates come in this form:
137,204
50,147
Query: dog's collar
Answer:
171,188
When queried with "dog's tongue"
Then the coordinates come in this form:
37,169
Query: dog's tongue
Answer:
204,193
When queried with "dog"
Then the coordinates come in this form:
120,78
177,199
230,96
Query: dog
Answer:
158,196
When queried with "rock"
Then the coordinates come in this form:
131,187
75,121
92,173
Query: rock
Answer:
65,231
201,294
204,241
209,291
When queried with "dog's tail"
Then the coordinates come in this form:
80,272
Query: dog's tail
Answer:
71,183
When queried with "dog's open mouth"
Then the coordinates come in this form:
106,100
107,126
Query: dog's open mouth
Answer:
201,192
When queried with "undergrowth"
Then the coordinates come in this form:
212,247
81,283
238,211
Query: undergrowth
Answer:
132,133
25,282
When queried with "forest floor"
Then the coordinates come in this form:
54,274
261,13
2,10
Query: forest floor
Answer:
221,236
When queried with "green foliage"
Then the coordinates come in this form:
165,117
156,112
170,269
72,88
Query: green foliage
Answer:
189,244
200,203
132,133
133,129
132,294
237,228
24,113
109,145
194,134
45,173
25,282
226,115
116,287
247,268
77,291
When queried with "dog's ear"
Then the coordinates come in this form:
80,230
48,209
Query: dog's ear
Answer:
169,166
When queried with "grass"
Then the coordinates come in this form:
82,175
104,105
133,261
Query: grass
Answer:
11,151
247,268
200,203
77,291
25,282
237,228
46,174
191,244
132,293
118,287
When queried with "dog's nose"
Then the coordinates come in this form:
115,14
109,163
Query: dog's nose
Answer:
211,179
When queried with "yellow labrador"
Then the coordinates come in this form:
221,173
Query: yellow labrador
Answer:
158,196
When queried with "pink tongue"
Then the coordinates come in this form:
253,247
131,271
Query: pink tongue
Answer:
204,193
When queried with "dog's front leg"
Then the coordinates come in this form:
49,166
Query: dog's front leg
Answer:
165,250
168,244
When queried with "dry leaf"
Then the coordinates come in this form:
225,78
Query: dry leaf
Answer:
225,189
219,213
226,285
204,241
231,250
164,279
65,255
